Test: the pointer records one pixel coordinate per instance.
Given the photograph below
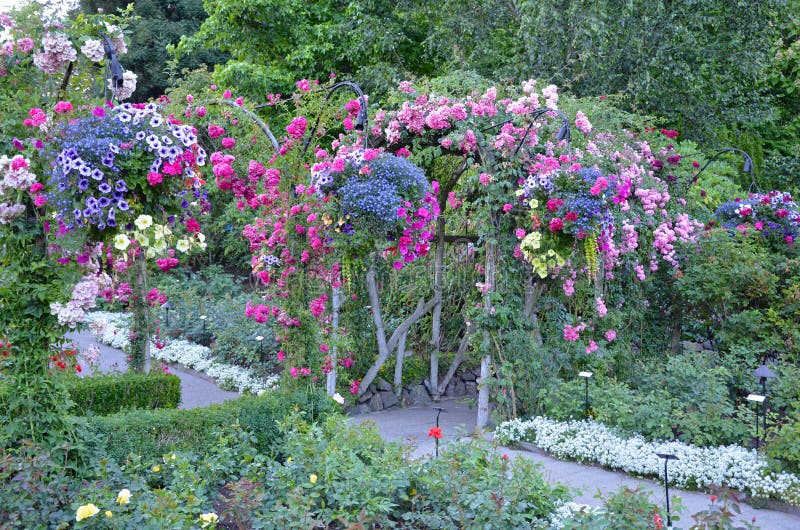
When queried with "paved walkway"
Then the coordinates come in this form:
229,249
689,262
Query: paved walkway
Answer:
411,426
197,390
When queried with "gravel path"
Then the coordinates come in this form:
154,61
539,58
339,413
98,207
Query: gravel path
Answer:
197,390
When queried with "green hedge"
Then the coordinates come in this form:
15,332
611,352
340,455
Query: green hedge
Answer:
109,394
153,433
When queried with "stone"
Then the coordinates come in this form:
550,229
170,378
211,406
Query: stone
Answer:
459,388
471,388
468,376
376,402
419,394
366,396
389,399
448,392
361,408
383,385
692,346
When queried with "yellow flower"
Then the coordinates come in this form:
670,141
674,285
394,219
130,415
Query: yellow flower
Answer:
156,469
413,491
143,222
121,242
182,245
289,460
124,496
533,203
312,478
109,514
86,511
158,232
208,518
142,239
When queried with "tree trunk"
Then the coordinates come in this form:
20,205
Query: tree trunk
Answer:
483,384
398,367
436,319
459,358
330,382
386,347
532,292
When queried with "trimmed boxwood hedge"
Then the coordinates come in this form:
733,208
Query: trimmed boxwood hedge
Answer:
109,394
153,433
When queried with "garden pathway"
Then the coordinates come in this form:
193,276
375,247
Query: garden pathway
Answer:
410,425
197,390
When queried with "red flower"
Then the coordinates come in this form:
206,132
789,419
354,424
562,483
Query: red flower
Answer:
571,216
556,224
435,432
192,225
658,522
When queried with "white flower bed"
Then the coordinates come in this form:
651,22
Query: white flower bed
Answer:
112,329
696,468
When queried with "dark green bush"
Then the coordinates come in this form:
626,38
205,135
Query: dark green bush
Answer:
154,433
785,447
686,398
108,394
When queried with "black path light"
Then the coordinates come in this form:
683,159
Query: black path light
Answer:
437,434
667,457
203,318
260,340
755,398
166,307
361,119
763,373
586,376
564,132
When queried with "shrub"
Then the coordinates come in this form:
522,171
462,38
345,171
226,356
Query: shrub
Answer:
154,433
343,476
108,394
785,447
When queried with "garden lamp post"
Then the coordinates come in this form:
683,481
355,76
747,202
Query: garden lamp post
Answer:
667,457
166,307
763,373
586,376
755,398
260,340
203,318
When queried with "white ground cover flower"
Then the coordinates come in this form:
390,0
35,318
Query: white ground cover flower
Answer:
112,329
696,468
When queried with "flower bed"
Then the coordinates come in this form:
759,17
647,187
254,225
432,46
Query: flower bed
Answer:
696,468
112,329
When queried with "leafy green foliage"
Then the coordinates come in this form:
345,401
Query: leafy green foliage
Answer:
686,399
150,434
109,394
